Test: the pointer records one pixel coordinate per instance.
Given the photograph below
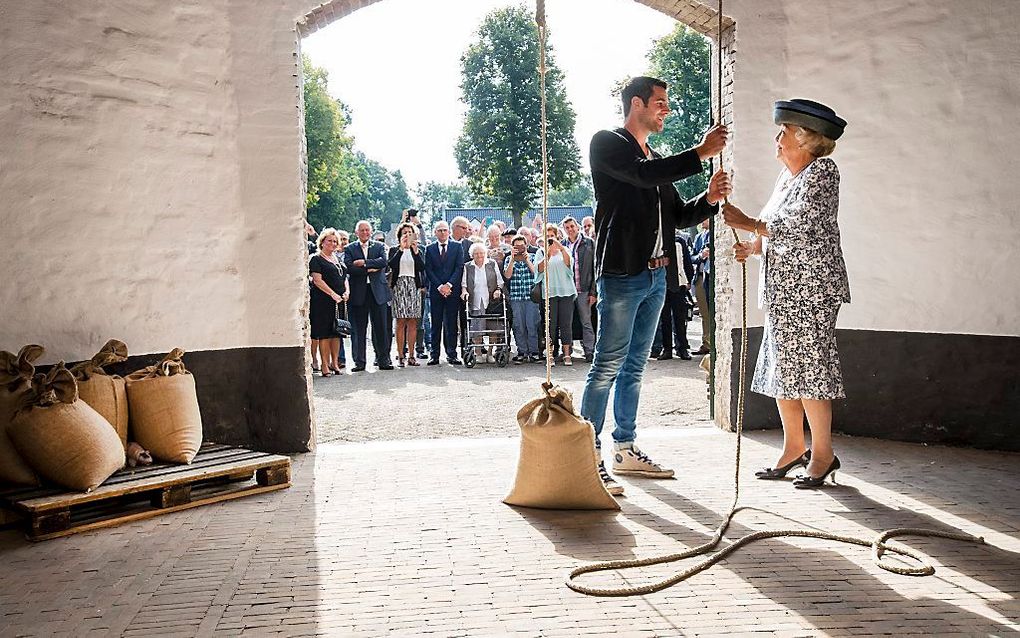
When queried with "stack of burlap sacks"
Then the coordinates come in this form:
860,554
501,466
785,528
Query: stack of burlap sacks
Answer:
71,427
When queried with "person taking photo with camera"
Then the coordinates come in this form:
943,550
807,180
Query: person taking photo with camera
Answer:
519,270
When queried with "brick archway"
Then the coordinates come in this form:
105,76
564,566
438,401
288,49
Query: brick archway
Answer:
701,17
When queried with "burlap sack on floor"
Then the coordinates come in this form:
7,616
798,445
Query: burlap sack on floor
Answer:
15,380
105,393
62,438
558,466
163,408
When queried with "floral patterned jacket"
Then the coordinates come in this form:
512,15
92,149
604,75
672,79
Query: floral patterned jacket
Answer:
802,260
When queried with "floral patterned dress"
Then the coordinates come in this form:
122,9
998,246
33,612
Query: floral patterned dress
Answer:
803,283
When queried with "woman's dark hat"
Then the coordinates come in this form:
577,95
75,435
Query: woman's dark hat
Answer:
810,115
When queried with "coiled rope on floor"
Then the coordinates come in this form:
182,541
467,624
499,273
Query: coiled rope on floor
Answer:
877,544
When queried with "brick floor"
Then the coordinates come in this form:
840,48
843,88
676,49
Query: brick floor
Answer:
410,538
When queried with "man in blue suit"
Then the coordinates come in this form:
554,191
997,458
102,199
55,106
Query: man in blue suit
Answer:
366,264
444,267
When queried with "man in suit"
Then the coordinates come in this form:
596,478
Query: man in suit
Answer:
702,284
582,258
673,320
460,231
444,267
370,296
638,209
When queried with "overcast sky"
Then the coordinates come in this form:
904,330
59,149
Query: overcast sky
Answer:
396,64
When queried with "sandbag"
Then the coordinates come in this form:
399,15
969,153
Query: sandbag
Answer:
163,410
62,438
558,465
107,394
15,376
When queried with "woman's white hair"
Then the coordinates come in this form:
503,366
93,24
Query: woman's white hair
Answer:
813,142
476,248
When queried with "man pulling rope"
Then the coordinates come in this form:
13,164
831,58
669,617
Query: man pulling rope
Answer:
637,213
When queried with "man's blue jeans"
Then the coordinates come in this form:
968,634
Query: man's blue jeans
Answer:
629,307
526,320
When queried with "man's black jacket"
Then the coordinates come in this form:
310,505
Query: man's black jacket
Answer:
627,201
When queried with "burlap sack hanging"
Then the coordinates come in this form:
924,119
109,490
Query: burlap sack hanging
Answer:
163,409
558,465
107,394
15,380
62,438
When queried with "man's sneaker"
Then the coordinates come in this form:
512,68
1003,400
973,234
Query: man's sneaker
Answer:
612,486
633,461
519,358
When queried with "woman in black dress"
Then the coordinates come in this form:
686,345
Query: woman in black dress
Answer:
330,291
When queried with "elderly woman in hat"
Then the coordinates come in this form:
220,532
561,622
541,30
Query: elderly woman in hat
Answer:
803,283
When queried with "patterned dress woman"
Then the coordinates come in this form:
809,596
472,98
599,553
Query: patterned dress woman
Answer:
803,283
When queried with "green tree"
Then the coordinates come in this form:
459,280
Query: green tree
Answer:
582,194
683,59
334,175
500,147
335,206
326,138
433,198
343,184
385,195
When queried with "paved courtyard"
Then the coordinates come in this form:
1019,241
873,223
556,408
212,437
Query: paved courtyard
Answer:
430,402
410,538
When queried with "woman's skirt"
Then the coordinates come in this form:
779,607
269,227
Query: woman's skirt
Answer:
406,299
798,358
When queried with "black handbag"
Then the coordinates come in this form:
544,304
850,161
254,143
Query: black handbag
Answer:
342,327
536,291
495,307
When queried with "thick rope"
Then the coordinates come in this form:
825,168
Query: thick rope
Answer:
878,543
549,354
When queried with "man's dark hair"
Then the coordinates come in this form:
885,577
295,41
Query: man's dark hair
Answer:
642,87
568,218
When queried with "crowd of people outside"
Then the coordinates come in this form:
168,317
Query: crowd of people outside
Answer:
445,295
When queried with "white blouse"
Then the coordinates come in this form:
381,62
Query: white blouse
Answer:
480,290
406,264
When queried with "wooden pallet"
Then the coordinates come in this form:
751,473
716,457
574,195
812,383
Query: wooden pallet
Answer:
218,473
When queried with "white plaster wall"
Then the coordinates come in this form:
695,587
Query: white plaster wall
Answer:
930,193
150,176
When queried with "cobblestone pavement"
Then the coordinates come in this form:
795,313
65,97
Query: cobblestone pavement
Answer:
410,538
416,403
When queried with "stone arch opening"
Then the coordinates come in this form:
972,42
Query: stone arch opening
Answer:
701,17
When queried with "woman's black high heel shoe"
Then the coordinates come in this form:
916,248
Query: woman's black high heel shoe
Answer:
810,482
774,474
